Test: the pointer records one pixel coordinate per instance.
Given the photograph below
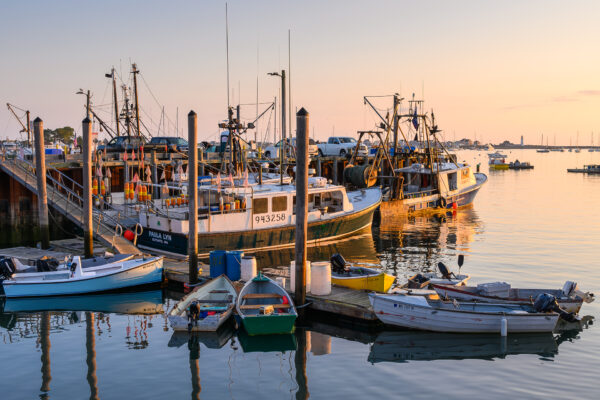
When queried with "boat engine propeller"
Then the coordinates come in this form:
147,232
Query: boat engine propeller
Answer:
545,302
338,263
7,268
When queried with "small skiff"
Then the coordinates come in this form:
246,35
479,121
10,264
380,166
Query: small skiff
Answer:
361,278
569,298
72,278
205,308
265,308
431,313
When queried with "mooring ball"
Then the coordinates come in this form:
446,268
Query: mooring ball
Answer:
129,235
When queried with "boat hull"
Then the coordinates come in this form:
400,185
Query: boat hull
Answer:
144,274
379,283
269,324
335,228
394,312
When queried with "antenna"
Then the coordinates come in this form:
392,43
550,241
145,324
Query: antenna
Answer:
290,81
227,50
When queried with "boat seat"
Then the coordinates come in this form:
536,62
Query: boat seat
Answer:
219,291
216,301
262,296
259,306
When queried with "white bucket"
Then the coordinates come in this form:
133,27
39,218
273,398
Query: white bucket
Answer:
293,276
248,268
280,281
321,278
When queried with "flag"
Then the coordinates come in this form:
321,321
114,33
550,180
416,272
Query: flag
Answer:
148,172
231,180
165,189
125,156
132,155
415,119
108,174
136,177
219,181
246,178
99,172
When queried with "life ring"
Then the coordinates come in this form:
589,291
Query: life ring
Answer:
443,202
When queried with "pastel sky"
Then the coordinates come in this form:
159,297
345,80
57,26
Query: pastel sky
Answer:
493,70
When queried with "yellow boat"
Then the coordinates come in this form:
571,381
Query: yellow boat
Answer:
360,278
499,166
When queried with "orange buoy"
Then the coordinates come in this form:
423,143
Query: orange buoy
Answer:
102,188
129,235
95,186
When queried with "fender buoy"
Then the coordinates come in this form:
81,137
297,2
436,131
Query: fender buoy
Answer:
443,202
454,205
129,235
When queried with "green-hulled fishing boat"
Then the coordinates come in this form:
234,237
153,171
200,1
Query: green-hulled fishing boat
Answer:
265,308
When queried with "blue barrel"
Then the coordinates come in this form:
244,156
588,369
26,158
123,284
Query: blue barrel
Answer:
217,263
234,264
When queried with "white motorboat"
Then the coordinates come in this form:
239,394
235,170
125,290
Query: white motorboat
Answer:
429,312
73,277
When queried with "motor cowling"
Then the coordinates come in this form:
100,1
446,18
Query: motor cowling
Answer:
7,268
545,302
338,263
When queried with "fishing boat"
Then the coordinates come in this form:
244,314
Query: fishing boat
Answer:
71,278
358,277
259,217
265,308
569,298
587,169
430,312
520,165
205,308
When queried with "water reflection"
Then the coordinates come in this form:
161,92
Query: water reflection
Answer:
90,347
266,343
416,243
212,340
45,345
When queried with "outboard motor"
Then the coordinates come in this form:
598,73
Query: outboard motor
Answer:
545,302
444,271
46,264
193,313
338,263
7,268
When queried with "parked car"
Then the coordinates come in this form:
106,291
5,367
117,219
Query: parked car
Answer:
122,143
169,143
272,151
341,146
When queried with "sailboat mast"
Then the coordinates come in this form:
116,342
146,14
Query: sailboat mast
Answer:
137,106
114,83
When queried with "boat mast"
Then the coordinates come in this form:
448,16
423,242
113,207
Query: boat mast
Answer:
115,100
135,71
127,116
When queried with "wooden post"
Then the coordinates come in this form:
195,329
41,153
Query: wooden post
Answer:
319,166
335,171
193,195
301,204
40,168
88,230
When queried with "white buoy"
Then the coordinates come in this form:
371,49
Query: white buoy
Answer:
293,276
248,268
503,327
321,278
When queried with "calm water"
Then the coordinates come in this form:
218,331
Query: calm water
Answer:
538,228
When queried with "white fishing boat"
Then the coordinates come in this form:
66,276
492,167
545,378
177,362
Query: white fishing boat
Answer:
429,312
205,308
259,217
569,298
71,277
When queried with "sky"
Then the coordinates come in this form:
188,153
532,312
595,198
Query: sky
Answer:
490,70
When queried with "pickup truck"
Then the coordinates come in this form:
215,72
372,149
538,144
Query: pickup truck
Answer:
341,146
167,143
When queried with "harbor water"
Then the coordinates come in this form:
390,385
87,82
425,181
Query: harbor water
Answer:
531,228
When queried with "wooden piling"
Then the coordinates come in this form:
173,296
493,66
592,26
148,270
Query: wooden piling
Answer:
319,168
42,195
301,204
88,230
193,196
335,171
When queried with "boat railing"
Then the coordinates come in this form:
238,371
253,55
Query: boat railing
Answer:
415,195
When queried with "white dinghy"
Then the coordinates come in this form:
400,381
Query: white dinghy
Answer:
205,308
